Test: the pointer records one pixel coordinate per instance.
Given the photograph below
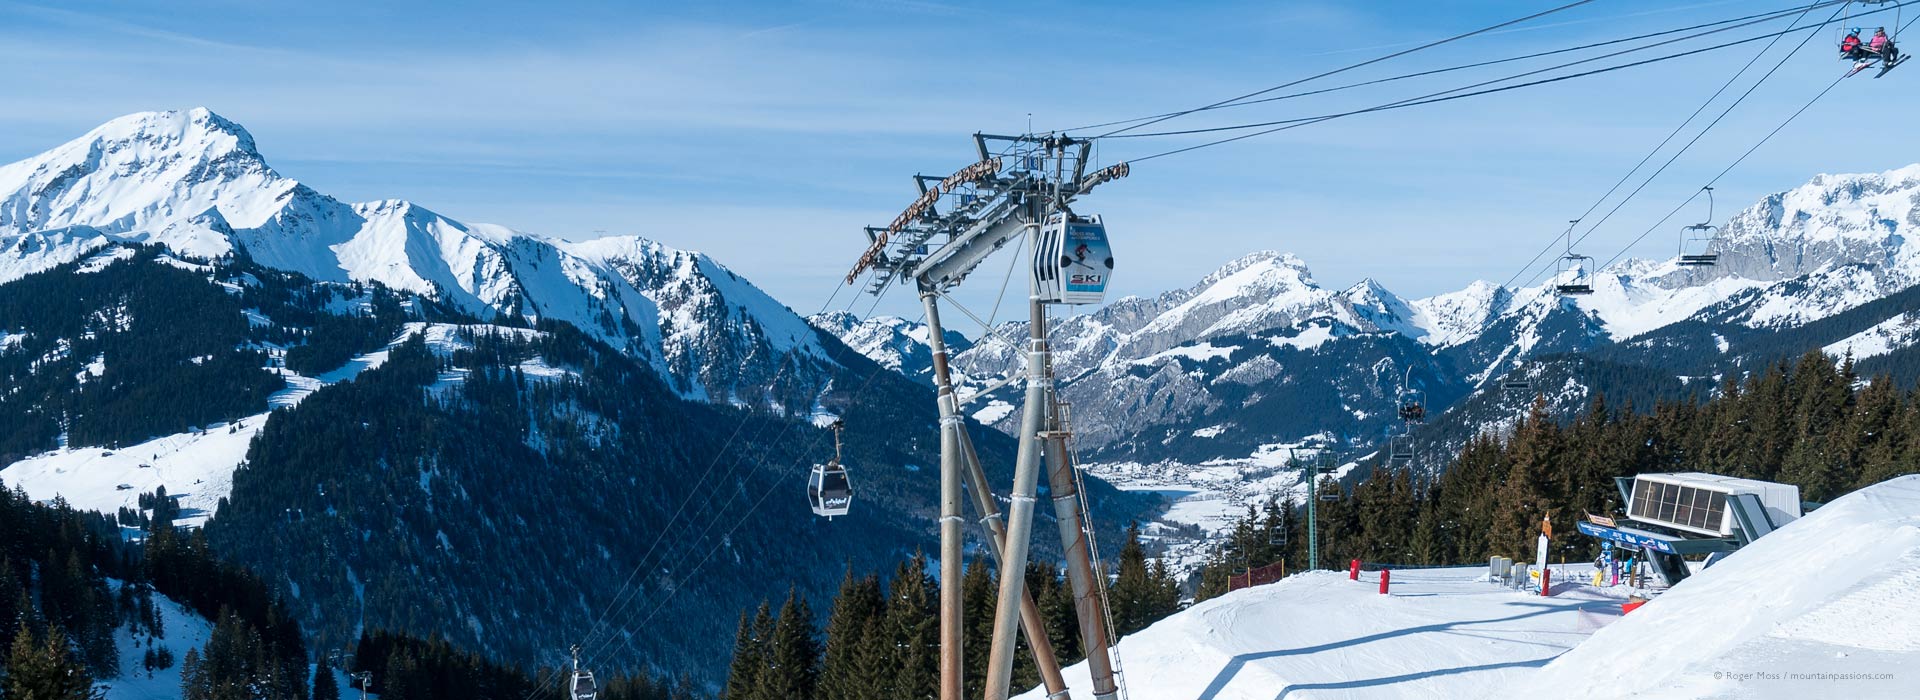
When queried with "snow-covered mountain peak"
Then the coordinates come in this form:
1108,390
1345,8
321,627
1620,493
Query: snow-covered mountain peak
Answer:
140,173
896,343
195,182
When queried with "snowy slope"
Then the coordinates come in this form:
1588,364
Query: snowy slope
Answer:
1441,634
196,183
1831,593
182,630
197,467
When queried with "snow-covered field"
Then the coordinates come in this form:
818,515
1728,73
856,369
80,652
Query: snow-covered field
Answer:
1442,633
1826,607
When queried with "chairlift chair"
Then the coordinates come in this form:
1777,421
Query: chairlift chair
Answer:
1700,243
1576,275
1413,407
1329,495
1400,448
1863,54
1072,260
1516,384
828,489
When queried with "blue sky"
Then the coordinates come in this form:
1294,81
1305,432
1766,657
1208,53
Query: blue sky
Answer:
767,134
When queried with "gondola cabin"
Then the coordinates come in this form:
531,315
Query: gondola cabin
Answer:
583,687
829,490
1072,261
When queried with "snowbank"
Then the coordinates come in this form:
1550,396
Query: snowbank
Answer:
1442,634
1835,593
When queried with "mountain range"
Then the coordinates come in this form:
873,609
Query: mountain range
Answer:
1258,356
404,421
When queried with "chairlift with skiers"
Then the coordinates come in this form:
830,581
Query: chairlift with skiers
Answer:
1866,52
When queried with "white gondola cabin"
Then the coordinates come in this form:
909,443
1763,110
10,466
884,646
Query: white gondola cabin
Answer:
1072,260
829,490
580,683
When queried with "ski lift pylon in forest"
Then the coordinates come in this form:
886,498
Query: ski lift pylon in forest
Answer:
828,489
1700,243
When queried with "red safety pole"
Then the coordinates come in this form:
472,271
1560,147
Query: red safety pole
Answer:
1353,570
1384,576
1546,582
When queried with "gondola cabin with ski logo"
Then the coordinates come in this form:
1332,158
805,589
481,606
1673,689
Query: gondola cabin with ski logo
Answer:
1072,261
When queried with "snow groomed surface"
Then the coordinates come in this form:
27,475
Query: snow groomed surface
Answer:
1826,607
1443,633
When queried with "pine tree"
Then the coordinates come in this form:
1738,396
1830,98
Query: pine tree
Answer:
1142,593
858,604
914,627
746,678
44,669
324,685
794,654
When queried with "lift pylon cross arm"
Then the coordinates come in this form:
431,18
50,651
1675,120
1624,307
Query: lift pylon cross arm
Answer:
923,205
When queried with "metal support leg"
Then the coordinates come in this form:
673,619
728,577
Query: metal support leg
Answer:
1080,572
1026,477
952,555
1030,620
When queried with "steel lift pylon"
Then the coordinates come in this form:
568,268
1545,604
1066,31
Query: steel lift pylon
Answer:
1024,189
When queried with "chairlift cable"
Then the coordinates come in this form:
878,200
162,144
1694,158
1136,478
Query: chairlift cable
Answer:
1737,161
1669,139
1761,17
1696,139
1361,64
1449,95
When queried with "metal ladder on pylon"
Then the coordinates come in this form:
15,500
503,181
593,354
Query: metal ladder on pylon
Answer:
1065,411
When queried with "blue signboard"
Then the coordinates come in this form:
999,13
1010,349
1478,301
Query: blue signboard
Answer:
1627,538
